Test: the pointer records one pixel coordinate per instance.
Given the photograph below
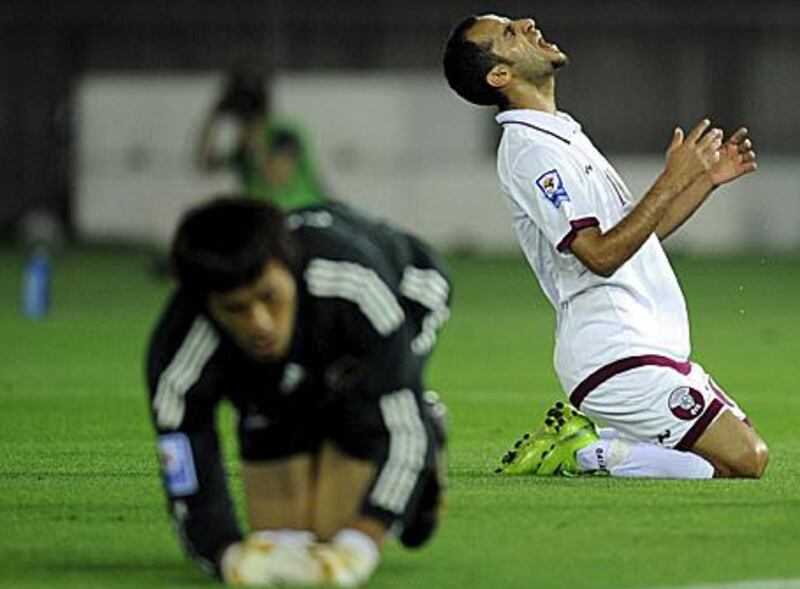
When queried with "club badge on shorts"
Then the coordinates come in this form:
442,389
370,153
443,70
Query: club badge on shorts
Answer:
686,403
552,187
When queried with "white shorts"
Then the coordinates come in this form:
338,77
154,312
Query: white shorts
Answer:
654,399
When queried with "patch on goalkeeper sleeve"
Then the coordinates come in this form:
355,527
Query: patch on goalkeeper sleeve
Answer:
177,464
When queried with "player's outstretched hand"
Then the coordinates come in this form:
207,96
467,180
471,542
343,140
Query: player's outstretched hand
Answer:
736,158
692,156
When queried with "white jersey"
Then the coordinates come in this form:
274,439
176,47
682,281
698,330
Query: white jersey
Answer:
558,183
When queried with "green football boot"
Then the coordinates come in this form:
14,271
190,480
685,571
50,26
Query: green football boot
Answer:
552,449
574,431
530,453
569,420
566,450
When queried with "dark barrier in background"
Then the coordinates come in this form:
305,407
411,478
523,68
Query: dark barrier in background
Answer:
642,65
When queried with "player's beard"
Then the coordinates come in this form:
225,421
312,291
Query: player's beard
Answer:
557,64
540,69
557,61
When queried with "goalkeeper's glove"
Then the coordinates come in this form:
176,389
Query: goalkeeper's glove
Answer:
349,559
268,558
291,557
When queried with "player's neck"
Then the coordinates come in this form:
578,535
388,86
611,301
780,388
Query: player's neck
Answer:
539,96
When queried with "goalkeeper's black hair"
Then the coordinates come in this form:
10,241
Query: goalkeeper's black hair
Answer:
225,243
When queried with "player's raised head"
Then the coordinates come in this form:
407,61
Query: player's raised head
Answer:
467,63
485,56
225,243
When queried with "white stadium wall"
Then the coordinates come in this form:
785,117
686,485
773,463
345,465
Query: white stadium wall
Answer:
399,146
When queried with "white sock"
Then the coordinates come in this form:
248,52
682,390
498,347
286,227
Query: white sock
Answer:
625,457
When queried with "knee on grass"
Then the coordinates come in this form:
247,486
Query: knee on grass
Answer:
749,462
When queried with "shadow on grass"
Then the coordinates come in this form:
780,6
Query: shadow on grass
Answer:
89,573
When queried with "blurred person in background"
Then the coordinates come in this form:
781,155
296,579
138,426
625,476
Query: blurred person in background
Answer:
271,158
622,349
316,327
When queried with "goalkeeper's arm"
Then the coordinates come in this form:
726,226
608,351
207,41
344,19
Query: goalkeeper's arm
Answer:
183,413
197,496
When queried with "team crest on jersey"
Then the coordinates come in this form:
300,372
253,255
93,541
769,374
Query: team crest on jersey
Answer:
686,403
552,187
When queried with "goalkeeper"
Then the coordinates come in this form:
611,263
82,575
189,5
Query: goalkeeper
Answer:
316,327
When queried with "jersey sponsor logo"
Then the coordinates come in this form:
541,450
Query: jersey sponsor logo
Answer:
293,375
686,403
177,464
552,187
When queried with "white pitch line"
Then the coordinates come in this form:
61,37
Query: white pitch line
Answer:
755,584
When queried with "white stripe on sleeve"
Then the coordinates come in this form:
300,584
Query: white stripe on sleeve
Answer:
198,346
408,444
359,285
430,289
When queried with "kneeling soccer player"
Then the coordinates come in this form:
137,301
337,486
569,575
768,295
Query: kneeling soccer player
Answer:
316,327
622,345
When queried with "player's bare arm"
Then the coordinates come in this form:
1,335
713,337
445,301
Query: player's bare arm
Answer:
737,158
688,159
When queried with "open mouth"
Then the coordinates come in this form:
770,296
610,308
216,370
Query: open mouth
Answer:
544,44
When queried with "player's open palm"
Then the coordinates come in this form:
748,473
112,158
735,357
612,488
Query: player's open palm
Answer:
696,154
736,158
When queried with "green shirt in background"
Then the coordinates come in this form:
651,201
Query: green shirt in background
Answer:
303,189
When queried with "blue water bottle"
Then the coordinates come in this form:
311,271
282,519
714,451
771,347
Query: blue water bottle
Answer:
36,286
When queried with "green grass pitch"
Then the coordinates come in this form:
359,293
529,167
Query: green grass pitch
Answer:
81,505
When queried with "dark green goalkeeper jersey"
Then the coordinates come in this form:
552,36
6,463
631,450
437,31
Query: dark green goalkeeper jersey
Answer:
371,301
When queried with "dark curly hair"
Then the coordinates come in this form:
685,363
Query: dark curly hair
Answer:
466,65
